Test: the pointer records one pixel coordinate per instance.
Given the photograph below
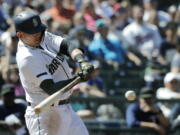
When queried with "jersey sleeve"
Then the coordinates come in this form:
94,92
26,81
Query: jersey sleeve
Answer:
34,71
54,41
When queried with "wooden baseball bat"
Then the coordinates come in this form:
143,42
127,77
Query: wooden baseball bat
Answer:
43,105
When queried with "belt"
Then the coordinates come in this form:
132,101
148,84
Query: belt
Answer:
61,102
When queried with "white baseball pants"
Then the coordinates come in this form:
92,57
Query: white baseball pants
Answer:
57,120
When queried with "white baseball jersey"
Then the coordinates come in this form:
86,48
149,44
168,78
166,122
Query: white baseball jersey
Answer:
146,37
36,65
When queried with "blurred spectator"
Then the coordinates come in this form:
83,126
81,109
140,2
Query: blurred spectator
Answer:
4,15
5,43
38,5
177,16
82,34
78,22
128,6
171,90
58,28
95,79
104,8
106,48
175,63
109,113
78,4
153,18
150,5
144,38
9,52
61,13
121,17
12,113
70,4
90,15
174,12
145,113
13,78
78,33
168,46
117,23
154,73
78,19
4,25
12,49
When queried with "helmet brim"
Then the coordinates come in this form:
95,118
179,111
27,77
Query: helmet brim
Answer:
41,28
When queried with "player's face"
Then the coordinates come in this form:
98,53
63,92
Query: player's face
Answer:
31,39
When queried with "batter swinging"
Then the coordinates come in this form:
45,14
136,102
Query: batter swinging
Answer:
43,71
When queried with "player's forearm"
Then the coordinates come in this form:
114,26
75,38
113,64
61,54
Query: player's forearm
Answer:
50,87
77,55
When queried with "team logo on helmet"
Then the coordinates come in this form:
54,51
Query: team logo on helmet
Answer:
35,22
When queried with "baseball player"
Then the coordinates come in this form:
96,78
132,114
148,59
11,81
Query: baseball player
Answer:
43,70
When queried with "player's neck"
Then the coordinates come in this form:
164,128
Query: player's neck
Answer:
29,45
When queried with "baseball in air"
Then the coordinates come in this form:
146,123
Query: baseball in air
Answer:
130,95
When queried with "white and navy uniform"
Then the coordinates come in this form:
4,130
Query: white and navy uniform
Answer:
36,65
146,37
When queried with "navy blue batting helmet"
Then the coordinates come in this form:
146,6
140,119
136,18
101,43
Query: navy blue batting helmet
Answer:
28,22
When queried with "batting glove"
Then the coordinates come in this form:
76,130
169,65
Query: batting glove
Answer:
86,70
